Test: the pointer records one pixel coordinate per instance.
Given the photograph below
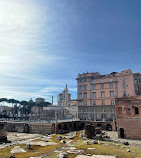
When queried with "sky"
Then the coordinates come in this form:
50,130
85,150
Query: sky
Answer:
44,44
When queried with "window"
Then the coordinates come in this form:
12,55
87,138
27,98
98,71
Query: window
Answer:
111,85
103,103
124,93
120,110
93,82
112,102
111,80
94,102
93,87
111,94
102,94
80,88
94,94
136,111
124,85
80,103
128,111
102,81
102,86
85,95
80,95
85,102
85,87
123,78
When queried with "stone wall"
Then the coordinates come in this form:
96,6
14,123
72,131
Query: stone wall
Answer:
78,125
48,128
131,127
37,128
17,127
3,132
41,128
128,117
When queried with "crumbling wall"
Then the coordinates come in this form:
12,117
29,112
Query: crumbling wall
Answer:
17,127
3,132
41,128
89,131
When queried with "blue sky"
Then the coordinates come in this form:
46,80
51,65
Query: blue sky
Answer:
45,44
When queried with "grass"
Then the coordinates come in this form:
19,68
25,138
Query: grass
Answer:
105,148
35,150
101,149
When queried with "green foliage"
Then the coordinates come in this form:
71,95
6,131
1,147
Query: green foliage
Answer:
26,106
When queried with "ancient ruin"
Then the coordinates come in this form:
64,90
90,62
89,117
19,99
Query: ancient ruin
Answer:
3,132
89,131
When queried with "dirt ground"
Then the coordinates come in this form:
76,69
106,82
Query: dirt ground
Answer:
113,135
48,146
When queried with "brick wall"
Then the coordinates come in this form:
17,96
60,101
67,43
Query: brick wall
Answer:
41,128
131,126
127,118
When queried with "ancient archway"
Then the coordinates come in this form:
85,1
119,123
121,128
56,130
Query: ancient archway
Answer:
70,126
136,111
59,126
108,127
122,133
65,127
82,125
99,126
75,128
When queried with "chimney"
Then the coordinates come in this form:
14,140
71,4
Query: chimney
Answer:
52,100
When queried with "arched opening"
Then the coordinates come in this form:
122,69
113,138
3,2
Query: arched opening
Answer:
82,125
65,127
121,133
136,111
99,126
108,127
70,126
74,126
59,127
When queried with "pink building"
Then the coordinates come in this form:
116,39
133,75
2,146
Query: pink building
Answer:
96,89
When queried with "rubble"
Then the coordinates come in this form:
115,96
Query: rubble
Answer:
62,155
17,149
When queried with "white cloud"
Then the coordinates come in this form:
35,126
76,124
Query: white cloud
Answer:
21,55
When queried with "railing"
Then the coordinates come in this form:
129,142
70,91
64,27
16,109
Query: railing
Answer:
43,121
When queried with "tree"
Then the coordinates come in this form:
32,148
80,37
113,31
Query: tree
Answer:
3,99
12,101
4,114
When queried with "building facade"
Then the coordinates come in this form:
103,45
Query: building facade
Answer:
73,108
38,100
128,117
97,113
49,112
94,89
64,98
